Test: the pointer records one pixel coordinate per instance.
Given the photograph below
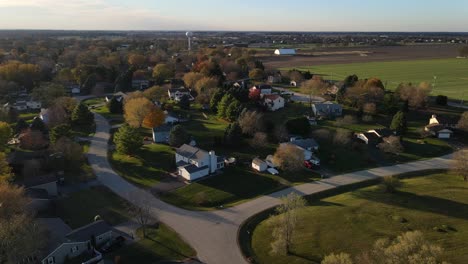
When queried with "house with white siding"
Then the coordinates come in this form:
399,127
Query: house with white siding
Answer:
273,102
194,163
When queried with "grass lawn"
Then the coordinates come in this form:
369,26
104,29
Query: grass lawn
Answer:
435,204
452,74
94,101
113,118
147,167
81,207
161,244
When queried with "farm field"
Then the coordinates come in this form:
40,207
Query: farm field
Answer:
451,74
435,204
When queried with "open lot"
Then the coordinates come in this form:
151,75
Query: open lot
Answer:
435,204
451,74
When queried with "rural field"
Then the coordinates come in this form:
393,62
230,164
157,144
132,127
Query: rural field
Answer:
451,74
433,203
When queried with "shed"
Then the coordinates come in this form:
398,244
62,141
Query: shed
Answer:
285,52
259,165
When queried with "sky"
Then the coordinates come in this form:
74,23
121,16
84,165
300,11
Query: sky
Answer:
237,15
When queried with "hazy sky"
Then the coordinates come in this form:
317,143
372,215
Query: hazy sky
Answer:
271,15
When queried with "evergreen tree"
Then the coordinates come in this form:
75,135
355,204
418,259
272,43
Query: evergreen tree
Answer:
233,134
399,123
128,139
232,111
178,136
81,115
58,132
38,125
215,99
114,106
224,104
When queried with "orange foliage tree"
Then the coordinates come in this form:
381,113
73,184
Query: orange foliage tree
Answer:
154,118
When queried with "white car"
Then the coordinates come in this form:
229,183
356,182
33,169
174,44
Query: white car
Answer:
315,160
272,171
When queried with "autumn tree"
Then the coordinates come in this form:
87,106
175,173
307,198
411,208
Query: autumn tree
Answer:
128,139
47,93
71,152
136,60
154,118
391,144
314,87
178,136
257,74
162,72
463,122
342,137
289,158
5,134
250,122
296,76
390,184
417,96
259,140
6,174
32,140
156,93
59,131
340,258
191,79
135,111
285,223
460,165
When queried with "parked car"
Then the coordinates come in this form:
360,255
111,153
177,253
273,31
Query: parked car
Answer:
116,244
308,164
272,171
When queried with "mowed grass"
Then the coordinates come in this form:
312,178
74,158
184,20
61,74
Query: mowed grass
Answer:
435,204
162,244
81,207
147,167
452,74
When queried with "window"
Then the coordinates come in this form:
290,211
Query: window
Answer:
74,249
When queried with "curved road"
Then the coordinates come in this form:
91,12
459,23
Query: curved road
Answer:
214,234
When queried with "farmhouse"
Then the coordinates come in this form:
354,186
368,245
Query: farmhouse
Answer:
280,52
273,102
327,109
440,127
194,163
80,241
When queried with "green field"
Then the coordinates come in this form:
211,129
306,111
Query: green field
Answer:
435,204
452,74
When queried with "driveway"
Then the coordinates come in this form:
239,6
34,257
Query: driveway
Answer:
214,234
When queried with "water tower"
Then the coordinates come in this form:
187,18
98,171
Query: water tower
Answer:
189,35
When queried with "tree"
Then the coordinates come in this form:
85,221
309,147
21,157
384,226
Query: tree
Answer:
81,116
232,111
341,258
314,87
205,83
399,123
38,125
6,174
154,118
32,139
289,158
128,139
141,209
391,144
115,106
342,137
390,184
257,74
250,122
460,165
57,115
5,134
285,223
47,93
255,95
178,136
259,140
21,237
58,132
296,76
417,96
191,78
70,151
67,103
184,102
162,72
136,60
410,247
224,104
233,134
441,100
298,126
135,111
21,125
215,99
155,93
463,122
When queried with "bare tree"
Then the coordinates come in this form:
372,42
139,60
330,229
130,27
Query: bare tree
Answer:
250,122
285,223
259,140
342,137
289,158
341,258
391,144
346,120
463,122
460,165
141,209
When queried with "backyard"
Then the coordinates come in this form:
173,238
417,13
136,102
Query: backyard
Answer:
435,204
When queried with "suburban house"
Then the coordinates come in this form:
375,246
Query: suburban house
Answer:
375,136
327,109
259,165
440,127
273,102
177,93
275,78
20,106
119,96
161,133
33,105
44,115
194,163
171,118
308,145
74,89
280,52
264,88
140,83
78,242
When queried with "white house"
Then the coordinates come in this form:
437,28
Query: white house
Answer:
259,165
34,104
80,241
194,163
20,105
177,93
440,127
273,102
308,145
285,52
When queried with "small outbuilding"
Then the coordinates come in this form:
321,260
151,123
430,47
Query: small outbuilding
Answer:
259,165
289,52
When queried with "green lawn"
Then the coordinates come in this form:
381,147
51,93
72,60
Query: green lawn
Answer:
162,244
94,101
81,207
147,167
104,111
436,204
452,74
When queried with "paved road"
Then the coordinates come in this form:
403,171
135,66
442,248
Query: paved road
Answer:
453,104
298,97
214,234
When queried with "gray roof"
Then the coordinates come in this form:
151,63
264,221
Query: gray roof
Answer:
306,143
86,232
192,168
163,128
180,90
191,152
384,132
327,106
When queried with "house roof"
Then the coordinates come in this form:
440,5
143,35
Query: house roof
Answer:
262,87
85,233
446,131
435,127
306,143
192,168
327,106
162,128
191,152
180,90
271,97
384,132
258,161
371,137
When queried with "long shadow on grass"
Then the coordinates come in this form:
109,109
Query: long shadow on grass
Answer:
413,201
169,248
